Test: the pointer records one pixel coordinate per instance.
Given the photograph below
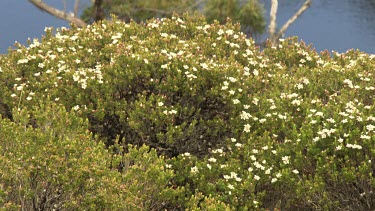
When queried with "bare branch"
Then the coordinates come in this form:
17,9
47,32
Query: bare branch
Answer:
197,3
64,3
58,13
76,6
273,14
304,7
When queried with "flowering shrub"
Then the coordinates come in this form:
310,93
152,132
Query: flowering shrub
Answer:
57,165
230,126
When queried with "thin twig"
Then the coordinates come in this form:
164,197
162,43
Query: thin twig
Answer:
76,6
64,3
197,3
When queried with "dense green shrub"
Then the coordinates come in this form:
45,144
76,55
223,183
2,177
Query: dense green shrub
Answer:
240,129
57,165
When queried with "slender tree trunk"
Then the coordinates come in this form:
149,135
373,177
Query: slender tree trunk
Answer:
273,15
99,13
274,37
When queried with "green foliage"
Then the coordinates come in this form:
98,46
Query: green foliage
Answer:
212,122
53,163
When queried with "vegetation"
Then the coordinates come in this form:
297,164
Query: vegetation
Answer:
249,12
181,114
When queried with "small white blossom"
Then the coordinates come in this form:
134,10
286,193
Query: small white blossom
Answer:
212,160
365,137
194,169
231,79
319,114
168,166
244,115
22,61
285,159
255,72
268,171
41,65
204,66
217,151
233,174
353,146
247,128
76,107
209,166
229,32
370,127
252,157
220,32
172,111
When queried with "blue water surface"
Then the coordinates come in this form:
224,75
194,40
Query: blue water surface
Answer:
20,20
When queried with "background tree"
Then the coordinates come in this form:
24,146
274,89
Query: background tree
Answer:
249,13
139,10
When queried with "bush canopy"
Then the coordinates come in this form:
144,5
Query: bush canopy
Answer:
181,114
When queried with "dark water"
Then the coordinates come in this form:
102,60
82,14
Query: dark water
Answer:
336,25
20,20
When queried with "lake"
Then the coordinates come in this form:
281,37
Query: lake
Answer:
336,25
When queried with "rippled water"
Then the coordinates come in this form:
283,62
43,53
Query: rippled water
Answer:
336,25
